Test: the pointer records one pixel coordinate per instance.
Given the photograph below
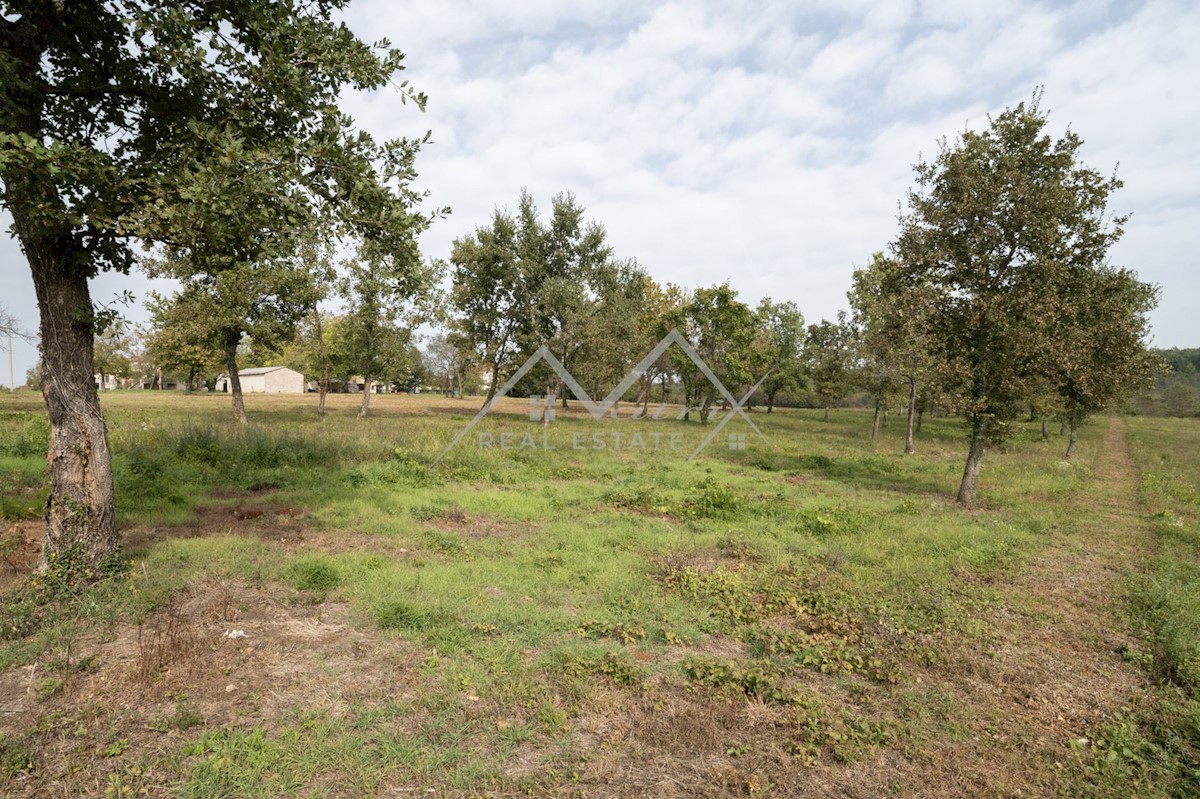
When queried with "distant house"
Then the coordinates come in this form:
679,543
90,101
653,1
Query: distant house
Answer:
266,380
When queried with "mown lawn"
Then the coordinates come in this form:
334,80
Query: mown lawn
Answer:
810,615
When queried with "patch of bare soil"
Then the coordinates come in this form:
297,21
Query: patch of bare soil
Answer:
455,521
249,515
221,654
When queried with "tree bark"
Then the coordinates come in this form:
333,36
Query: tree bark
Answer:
1045,430
966,489
909,449
323,384
920,420
1073,427
235,383
81,529
826,417
875,423
366,397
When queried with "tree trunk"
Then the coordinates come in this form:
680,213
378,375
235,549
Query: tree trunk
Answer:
826,417
875,423
1062,428
366,398
770,401
644,398
920,420
323,354
909,449
966,490
1045,430
235,382
81,529
493,384
1073,426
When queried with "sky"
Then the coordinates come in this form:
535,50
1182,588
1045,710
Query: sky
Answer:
768,144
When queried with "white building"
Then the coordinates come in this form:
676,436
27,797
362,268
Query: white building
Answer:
267,380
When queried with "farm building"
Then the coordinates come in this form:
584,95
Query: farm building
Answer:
267,380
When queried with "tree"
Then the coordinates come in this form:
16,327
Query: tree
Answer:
564,261
9,327
490,295
113,351
182,338
264,300
378,288
210,128
990,222
1102,332
447,360
308,351
891,316
780,344
722,331
827,362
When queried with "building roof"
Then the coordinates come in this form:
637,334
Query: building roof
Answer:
261,370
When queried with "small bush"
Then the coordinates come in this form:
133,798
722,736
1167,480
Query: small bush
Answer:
712,500
400,615
313,573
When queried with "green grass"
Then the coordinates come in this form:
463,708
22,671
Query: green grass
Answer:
820,573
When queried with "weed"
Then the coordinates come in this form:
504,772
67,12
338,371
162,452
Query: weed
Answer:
15,757
313,573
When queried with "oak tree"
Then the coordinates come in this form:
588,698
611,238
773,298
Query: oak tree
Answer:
209,127
989,223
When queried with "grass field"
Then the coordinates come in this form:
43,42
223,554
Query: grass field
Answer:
808,616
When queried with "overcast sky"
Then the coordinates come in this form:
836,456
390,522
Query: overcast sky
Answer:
766,146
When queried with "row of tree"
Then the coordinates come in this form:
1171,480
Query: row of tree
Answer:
210,136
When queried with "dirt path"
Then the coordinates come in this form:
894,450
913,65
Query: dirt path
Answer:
1054,674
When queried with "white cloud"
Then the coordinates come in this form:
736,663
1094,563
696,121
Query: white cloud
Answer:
768,144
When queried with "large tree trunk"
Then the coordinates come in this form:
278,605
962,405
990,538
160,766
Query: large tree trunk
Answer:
909,449
235,382
81,529
1073,427
966,489
366,397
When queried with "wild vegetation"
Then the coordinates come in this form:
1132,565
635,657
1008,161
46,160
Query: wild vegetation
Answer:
810,616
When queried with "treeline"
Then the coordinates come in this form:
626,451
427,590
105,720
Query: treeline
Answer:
996,299
1176,392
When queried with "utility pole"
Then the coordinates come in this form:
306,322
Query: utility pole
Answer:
12,381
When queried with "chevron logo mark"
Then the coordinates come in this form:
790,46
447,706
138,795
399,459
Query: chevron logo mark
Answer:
598,410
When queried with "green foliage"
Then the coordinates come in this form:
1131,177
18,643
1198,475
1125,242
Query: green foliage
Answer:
24,434
313,573
1008,235
15,758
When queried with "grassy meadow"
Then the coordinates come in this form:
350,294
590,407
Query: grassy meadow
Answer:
320,608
